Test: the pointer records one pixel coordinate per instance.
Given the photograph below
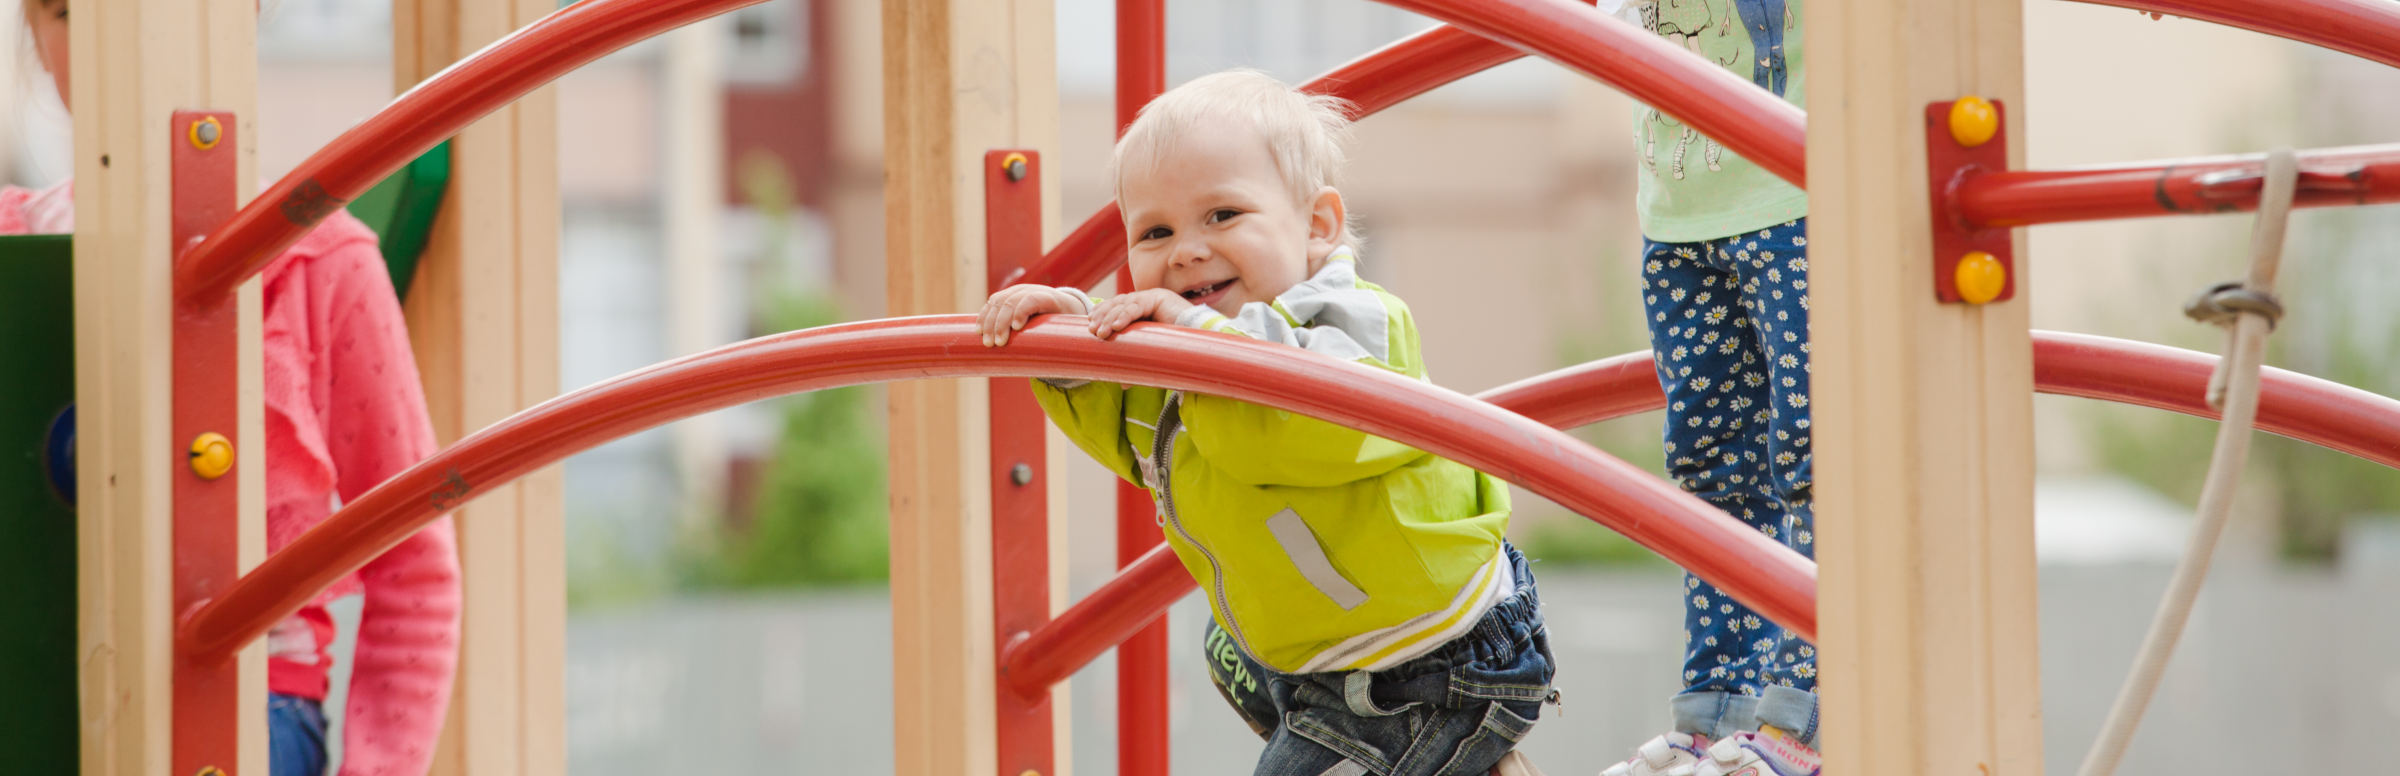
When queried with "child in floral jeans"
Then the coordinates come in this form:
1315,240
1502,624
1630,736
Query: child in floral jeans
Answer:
1725,294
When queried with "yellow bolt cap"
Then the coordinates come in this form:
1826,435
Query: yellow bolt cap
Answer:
1980,278
1973,121
212,455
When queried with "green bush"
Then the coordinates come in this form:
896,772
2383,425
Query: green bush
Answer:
821,517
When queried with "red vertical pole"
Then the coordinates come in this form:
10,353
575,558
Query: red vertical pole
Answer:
1141,660
1012,210
207,383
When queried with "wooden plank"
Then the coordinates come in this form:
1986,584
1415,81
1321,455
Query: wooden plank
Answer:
484,321
693,111
1923,412
960,77
135,62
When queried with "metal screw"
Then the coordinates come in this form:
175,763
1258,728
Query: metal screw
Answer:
1021,474
1016,168
208,132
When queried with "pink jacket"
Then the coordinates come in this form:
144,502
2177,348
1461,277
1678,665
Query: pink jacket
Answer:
345,411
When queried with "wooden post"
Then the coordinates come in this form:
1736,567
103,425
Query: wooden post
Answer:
1923,411
694,191
960,77
133,66
484,319
134,63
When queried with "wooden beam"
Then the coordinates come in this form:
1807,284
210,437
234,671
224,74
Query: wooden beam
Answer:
135,63
1923,411
960,77
693,103
483,316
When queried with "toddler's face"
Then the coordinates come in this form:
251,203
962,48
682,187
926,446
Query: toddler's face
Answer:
1211,219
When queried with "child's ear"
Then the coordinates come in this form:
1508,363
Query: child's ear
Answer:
1326,216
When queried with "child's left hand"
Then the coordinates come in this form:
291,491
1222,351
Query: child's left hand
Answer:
1117,312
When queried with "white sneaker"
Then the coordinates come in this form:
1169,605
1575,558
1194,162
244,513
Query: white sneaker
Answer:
1671,754
1760,754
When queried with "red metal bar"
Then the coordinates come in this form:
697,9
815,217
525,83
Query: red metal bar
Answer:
1584,394
2354,175
1012,216
1112,614
1749,120
206,400
2309,409
1386,77
1142,711
2292,404
438,108
1141,56
1762,574
2365,28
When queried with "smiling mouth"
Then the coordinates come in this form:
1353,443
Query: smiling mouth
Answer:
1207,293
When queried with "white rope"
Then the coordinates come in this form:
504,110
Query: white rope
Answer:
2248,310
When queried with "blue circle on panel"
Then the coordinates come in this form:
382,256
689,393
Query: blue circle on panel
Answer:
58,455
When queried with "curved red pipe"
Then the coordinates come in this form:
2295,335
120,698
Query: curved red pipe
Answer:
2309,409
1381,79
2365,28
1768,577
1745,118
2291,404
438,108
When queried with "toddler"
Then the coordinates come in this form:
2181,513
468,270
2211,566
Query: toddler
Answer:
1367,615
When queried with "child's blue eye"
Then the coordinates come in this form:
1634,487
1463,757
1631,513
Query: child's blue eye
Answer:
1156,232
1222,214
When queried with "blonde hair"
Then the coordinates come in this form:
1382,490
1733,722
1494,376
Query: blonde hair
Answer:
1305,133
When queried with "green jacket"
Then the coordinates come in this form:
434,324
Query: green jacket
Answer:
1319,548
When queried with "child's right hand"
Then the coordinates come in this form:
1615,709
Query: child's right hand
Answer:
1008,310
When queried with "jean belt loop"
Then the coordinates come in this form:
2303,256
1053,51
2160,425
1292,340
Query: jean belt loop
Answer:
1355,693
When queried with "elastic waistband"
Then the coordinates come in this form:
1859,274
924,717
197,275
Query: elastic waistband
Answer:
1511,623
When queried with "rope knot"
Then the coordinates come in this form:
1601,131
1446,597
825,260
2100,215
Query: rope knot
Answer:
2225,303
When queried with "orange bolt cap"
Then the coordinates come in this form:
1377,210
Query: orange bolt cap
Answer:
1973,121
1980,278
212,455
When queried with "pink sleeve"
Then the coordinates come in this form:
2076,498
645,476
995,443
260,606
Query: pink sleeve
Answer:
376,425
12,210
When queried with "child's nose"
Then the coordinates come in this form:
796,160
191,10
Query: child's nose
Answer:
1189,251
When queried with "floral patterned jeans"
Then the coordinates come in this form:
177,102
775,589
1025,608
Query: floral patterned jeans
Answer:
1728,325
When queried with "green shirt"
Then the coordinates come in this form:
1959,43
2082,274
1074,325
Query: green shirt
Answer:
1693,189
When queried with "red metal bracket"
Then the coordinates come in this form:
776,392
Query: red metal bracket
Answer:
1948,163
207,381
1012,217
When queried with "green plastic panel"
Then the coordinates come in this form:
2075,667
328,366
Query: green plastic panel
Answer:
401,210
37,527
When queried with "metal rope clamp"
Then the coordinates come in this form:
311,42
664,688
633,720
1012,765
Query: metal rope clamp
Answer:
2224,303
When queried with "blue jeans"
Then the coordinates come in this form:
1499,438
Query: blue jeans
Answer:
1729,330
1451,712
295,736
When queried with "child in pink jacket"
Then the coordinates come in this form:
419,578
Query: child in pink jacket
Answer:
344,412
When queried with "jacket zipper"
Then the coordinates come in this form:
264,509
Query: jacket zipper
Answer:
1162,449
